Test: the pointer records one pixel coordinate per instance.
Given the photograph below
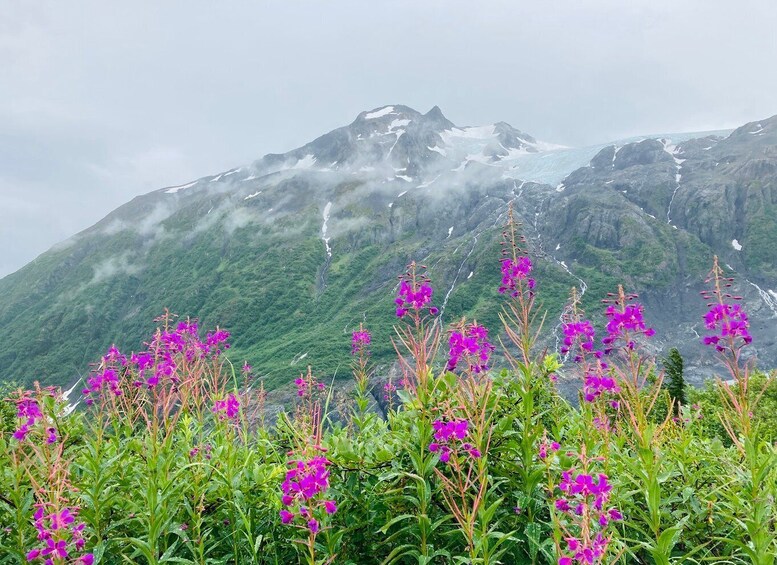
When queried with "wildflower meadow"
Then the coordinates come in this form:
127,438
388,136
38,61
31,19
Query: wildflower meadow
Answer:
471,456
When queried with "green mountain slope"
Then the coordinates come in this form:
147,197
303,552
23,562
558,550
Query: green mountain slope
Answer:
291,253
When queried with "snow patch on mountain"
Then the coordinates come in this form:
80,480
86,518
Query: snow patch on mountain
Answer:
174,189
385,111
306,162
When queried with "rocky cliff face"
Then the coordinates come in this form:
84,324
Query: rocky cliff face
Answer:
293,251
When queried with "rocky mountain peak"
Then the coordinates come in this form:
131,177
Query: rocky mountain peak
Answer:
293,251
412,144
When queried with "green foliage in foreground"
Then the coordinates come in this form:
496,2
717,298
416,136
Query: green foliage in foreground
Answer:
155,485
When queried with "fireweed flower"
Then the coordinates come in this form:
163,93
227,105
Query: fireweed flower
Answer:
204,450
581,332
514,271
583,501
304,490
166,353
228,409
388,389
216,341
730,323
307,386
449,439
360,341
415,298
415,293
624,322
27,410
594,385
545,446
51,435
471,344
60,537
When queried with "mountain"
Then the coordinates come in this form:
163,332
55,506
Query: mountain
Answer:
292,252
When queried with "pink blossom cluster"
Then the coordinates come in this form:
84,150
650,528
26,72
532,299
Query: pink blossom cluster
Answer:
29,412
594,385
228,409
60,537
623,323
585,504
553,446
585,553
307,386
205,450
582,332
730,320
449,438
167,350
414,296
360,341
472,344
513,272
303,489
388,389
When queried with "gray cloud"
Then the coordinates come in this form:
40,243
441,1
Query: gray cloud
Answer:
101,101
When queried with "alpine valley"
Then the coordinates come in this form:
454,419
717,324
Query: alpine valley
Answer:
292,252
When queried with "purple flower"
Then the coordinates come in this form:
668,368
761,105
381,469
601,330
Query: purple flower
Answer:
594,385
216,342
359,341
330,506
286,516
409,297
582,332
448,438
57,531
305,480
513,273
227,409
624,321
615,514
472,344
731,323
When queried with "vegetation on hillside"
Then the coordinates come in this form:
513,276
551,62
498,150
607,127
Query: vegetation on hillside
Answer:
174,461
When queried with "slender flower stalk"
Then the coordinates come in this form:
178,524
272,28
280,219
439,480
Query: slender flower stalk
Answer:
728,322
304,490
582,514
520,316
419,336
753,508
635,374
461,440
360,353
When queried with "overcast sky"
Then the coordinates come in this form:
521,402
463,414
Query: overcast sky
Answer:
102,101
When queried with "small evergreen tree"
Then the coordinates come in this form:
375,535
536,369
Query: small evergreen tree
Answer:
673,378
